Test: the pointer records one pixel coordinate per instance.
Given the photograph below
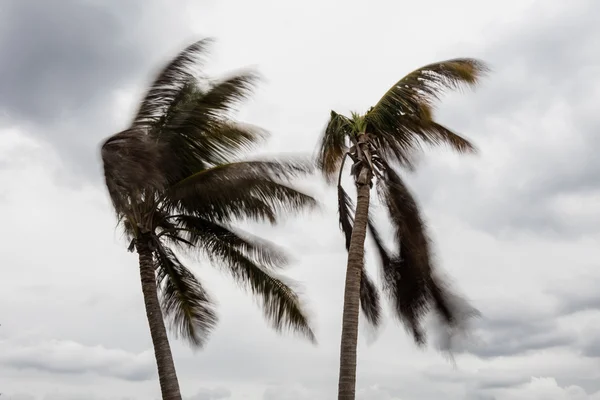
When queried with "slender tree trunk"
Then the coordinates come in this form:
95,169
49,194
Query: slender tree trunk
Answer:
169,386
349,342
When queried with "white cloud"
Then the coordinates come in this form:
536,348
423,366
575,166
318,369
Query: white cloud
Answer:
68,357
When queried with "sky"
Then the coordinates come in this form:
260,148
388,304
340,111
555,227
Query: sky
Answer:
516,226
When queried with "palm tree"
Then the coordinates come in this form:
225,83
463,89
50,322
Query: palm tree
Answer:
177,183
386,137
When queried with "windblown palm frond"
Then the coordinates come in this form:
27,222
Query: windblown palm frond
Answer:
412,282
333,145
131,168
403,119
168,84
281,305
185,301
196,230
248,189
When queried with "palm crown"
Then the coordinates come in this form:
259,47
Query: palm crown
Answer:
176,182
387,136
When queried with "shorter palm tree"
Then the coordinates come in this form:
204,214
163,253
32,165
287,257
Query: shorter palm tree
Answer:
385,137
177,183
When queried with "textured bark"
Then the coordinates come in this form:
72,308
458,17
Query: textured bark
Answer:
169,386
349,342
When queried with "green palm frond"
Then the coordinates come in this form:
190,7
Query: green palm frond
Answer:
333,145
280,303
425,85
198,231
403,118
168,84
249,189
184,300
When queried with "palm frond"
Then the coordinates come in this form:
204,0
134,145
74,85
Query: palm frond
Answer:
346,214
407,275
184,300
410,276
403,117
168,84
333,145
131,167
425,85
369,299
201,232
280,303
249,189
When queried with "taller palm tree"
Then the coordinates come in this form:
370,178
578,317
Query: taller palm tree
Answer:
177,183
384,138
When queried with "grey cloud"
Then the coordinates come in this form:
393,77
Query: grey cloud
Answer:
63,60
513,329
535,122
65,357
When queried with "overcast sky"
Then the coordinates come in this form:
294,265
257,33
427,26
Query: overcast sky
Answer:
517,226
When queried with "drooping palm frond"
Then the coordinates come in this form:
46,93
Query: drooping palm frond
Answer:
369,299
184,300
346,214
280,303
407,274
249,189
168,84
333,145
410,278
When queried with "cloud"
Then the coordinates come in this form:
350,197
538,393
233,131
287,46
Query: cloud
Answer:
66,61
546,388
534,122
68,357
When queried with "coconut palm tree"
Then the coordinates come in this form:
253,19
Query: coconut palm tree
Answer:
388,136
177,183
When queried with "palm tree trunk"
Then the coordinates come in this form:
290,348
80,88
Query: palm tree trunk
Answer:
349,342
169,386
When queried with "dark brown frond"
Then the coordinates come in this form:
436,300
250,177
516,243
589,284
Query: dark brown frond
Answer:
169,83
346,214
369,299
184,300
131,167
333,145
407,276
410,277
